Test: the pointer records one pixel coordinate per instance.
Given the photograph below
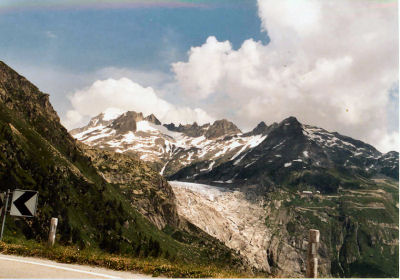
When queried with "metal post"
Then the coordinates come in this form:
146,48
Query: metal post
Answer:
4,214
312,260
52,233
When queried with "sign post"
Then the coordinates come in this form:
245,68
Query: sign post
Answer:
2,196
52,232
4,213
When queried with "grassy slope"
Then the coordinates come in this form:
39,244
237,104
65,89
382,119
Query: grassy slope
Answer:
152,266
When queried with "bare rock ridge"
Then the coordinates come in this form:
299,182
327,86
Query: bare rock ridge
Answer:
221,128
261,128
151,118
127,122
191,130
217,129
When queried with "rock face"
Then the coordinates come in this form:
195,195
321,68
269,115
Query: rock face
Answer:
191,130
127,122
217,129
152,119
146,190
261,128
221,128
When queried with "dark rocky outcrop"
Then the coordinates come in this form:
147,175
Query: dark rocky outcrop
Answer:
191,130
261,128
151,118
222,128
127,122
218,129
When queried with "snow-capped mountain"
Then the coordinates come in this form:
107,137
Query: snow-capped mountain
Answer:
171,148
295,149
221,153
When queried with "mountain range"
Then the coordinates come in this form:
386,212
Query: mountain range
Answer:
269,171
221,152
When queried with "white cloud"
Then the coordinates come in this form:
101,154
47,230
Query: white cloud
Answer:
388,142
124,94
72,118
329,63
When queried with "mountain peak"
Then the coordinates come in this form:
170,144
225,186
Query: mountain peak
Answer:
260,128
127,122
28,100
290,121
220,128
261,124
151,118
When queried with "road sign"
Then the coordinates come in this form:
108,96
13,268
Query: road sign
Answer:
24,203
2,195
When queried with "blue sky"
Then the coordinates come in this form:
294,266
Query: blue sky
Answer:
139,37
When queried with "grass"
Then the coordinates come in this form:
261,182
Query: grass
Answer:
150,266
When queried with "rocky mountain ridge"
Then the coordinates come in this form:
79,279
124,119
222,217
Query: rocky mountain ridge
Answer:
294,147
190,152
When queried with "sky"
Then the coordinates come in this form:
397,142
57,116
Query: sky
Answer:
330,63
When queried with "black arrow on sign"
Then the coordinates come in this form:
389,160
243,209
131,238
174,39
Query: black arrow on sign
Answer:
20,203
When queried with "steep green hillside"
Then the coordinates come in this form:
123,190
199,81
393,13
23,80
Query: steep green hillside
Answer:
36,152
